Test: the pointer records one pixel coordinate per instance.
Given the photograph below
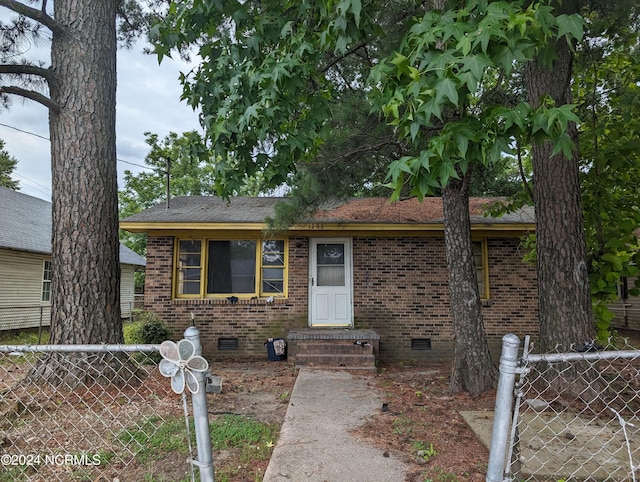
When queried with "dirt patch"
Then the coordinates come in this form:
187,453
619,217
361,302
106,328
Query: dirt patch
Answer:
257,389
419,414
421,422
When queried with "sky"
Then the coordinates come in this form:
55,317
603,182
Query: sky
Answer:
148,100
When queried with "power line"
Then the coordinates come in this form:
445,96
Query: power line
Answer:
47,139
31,184
134,164
24,132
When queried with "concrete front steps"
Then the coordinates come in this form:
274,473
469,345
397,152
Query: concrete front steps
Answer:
334,348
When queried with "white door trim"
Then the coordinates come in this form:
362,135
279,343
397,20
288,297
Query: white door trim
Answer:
331,306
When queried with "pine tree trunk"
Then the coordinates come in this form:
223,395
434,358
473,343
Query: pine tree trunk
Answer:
473,369
563,285
85,299
85,302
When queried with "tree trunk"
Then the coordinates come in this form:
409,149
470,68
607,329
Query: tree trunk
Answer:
563,286
85,301
473,369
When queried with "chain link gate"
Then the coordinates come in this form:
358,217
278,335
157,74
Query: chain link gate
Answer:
566,416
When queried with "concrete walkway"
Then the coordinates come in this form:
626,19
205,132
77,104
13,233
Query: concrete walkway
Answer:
315,444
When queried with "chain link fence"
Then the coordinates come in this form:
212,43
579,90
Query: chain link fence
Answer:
27,316
571,416
94,413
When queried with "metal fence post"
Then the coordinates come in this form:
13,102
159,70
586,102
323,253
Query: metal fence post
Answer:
200,415
502,412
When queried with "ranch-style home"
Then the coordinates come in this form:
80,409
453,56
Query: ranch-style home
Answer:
25,263
363,272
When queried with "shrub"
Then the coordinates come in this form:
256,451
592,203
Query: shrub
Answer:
147,330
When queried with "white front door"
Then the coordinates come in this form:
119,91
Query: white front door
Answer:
330,282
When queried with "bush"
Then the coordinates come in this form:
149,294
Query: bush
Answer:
147,330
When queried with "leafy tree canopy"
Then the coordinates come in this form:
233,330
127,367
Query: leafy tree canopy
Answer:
607,91
271,76
279,68
179,159
440,74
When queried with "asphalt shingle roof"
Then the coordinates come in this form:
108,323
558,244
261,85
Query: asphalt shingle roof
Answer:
208,209
25,225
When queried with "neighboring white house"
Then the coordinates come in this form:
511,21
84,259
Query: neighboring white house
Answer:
25,263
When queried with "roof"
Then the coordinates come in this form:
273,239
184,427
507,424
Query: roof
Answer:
248,210
410,211
25,225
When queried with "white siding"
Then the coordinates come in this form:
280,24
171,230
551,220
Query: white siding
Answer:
21,290
126,290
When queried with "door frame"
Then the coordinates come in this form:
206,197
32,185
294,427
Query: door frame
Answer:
348,263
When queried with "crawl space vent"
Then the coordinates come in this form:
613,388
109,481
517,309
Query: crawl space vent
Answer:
227,344
421,343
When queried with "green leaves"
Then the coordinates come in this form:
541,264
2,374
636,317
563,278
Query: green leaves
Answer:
570,26
610,161
267,80
441,81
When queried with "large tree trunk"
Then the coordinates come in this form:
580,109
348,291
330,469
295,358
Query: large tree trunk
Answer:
473,369
85,302
563,286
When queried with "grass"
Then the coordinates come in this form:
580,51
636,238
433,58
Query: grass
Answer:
24,337
247,439
30,336
403,425
21,337
154,438
442,476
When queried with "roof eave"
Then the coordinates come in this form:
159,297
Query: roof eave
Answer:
316,227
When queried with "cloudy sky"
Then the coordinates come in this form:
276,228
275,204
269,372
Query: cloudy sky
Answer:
148,101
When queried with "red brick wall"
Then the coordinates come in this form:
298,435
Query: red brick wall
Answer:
251,321
400,291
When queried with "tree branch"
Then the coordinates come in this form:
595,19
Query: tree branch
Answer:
23,69
31,95
522,174
335,60
34,14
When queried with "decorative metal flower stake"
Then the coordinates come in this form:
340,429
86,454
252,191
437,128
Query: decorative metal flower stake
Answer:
179,361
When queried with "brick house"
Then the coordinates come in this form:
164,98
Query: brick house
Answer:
363,266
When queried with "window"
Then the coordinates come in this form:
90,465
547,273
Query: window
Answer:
189,267
219,268
231,268
272,269
479,259
46,281
330,264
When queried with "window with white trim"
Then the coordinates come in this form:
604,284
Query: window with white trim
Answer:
46,281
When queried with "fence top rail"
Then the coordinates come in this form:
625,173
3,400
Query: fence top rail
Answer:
79,348
589,356
15,307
